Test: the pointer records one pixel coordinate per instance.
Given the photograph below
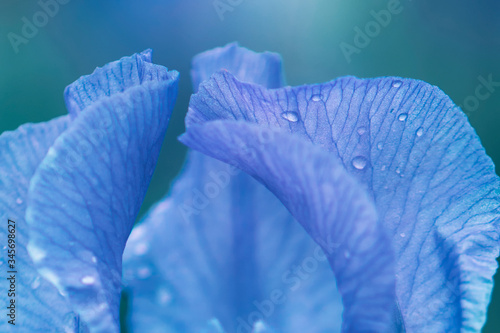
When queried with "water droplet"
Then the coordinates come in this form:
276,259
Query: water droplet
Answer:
290,116
359,162
398,170
163,296
260,327
144,273
403,116
36,253
94,260
380,145
36,283
397,83
88,280
19,201
361,130
141,248
420,131
317,98
402,234
383,167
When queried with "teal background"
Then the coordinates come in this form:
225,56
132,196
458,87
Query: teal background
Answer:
448,44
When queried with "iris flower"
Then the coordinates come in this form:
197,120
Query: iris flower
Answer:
73,186
357,205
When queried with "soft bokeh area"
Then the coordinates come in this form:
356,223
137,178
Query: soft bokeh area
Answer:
452,44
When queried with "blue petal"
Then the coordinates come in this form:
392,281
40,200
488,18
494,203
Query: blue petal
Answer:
434,187
85,195
264,69
113,78
261,327
222,246
213,326
39,306
330,205
246,260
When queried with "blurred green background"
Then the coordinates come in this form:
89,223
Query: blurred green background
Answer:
447,43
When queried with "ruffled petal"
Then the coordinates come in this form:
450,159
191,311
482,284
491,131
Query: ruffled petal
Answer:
38,306
113,78
222,246
85,195
434,187
265,69
331,206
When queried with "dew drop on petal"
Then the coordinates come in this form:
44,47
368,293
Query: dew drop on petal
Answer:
420,131
359,162
259,327
402,234
317,98
88,280
141,248
403,116
398,170
290,116
361,130
19,201
144,272
397,83
36,253
163,296
380,145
